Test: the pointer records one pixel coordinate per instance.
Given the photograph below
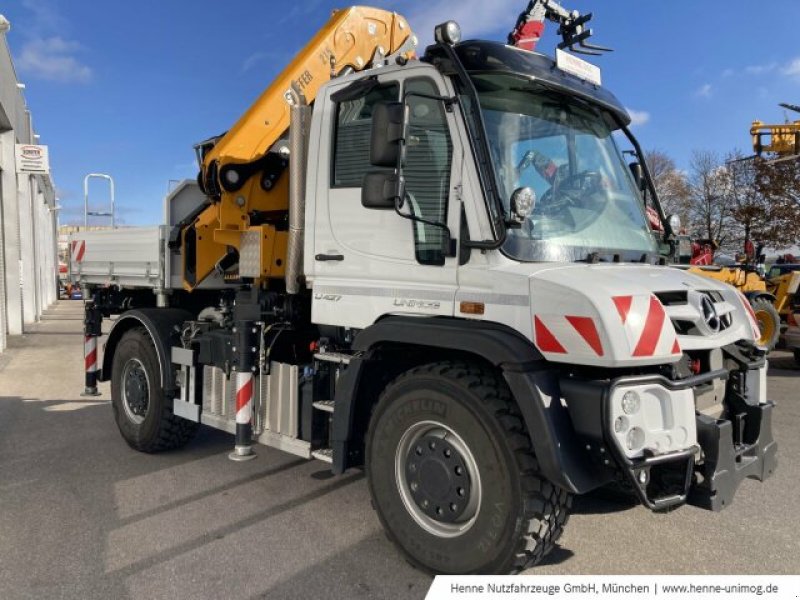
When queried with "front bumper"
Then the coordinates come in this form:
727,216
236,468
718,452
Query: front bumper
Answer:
729,458
705,475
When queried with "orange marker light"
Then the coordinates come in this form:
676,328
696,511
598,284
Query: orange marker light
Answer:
472,308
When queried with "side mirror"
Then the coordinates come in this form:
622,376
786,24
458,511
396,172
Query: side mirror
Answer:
638,175
388,119
522,202
381,189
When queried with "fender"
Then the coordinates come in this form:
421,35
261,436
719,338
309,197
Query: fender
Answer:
759,295
160,325
530,379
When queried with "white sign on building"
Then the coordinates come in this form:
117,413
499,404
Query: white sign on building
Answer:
32,158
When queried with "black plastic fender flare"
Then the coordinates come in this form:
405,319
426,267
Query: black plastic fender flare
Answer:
160,324
757,295
561,455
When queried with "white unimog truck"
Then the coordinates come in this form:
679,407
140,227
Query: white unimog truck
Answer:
473,307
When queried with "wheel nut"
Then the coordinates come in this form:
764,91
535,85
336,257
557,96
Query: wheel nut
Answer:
460,492
459,471
453,507
447,453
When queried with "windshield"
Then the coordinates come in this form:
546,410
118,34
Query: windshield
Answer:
563,149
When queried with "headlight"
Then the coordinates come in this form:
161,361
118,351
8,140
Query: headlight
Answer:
635,439
652,417
631,403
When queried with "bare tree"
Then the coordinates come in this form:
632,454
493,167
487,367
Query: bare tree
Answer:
709,215
671,184
778,184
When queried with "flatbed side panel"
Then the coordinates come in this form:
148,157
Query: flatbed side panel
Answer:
126,257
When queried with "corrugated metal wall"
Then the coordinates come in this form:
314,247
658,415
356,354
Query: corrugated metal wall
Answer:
28,262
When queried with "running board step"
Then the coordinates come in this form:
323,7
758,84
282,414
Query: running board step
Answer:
324,405
334,357
323,454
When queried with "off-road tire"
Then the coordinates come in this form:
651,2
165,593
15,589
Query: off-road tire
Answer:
765,310
160,430
521,515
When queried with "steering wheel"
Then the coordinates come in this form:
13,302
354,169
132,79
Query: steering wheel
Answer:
568,191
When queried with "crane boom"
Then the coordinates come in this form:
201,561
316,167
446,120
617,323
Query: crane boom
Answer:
241,171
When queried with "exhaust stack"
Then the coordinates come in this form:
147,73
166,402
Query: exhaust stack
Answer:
299,125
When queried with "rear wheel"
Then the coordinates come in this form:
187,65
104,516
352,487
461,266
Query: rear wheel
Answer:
453,477
769,322
141,409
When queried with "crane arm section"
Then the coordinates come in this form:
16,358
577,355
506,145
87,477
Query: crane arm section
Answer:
242,171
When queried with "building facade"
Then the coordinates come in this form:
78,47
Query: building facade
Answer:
28,214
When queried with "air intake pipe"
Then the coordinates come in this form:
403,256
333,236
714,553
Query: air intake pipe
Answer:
299,126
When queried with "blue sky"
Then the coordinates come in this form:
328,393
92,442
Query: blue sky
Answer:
126,88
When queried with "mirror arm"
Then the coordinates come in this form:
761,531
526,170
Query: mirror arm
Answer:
668,233
448,101
398,203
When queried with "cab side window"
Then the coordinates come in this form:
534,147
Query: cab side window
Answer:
351,145
429,154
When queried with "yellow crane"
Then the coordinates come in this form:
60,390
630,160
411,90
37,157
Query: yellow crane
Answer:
241,171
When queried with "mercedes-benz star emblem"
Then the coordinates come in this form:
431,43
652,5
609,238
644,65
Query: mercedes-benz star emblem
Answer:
710,314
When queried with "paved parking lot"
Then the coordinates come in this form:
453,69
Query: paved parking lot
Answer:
84,516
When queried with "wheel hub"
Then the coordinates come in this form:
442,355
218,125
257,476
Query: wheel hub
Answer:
136,390
438,478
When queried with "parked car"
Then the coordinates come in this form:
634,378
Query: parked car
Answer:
74,292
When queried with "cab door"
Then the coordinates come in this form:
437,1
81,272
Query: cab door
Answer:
371,262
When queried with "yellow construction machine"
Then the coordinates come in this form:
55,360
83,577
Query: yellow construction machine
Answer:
759,292
781,140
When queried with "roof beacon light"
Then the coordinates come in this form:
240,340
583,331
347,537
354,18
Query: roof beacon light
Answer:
448,32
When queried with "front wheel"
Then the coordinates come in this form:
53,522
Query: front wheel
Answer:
769,322
453,477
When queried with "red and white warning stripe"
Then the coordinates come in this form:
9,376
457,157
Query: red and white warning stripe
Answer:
567,334
751,316
90,353
78,250
647,327
244,397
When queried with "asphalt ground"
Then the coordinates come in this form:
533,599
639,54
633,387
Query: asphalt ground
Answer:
84,516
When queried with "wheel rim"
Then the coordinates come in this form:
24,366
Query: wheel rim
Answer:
438,479
135,390
766,325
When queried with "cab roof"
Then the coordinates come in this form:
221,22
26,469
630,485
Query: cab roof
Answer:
478,56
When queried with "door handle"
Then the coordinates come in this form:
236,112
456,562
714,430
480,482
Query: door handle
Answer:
326,257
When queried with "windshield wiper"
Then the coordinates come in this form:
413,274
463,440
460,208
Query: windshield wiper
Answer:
595,257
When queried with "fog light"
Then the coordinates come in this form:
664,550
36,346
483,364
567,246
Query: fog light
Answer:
643,477
631,403
620,424
635,438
